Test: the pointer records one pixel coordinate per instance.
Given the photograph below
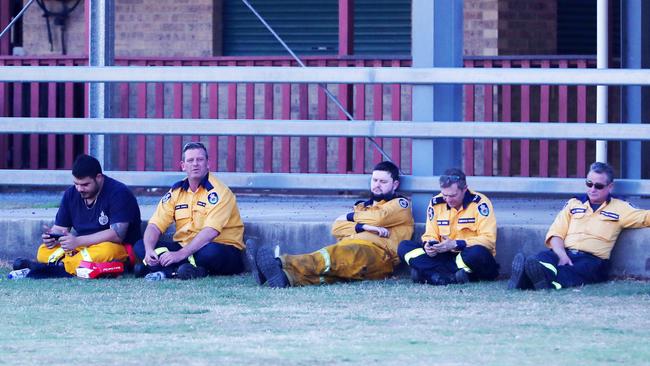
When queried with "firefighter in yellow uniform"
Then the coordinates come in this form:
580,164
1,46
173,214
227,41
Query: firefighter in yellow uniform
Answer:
459,243
366,247
581,238
209,230
104,215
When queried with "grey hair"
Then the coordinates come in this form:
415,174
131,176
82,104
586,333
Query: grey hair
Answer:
603,168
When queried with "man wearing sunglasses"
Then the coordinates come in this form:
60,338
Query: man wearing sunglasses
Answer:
581,238
459,243
209,229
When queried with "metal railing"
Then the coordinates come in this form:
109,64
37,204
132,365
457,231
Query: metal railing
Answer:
212,100
334,128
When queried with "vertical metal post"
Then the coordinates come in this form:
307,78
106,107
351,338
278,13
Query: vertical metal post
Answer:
437,33
602,54
102,53
635,54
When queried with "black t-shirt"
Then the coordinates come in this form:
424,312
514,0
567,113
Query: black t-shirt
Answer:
114,204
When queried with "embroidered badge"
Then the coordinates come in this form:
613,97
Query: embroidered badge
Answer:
430,213
166,197
403,203
578,210
443,222
483,209
611,215
466,220
213,198
103,219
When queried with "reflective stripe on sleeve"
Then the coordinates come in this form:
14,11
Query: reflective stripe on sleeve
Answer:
412,254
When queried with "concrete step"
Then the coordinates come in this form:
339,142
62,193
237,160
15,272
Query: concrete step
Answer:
302,225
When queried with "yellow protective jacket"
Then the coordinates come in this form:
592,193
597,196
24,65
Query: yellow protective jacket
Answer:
394,215
473,224
212,205
595,232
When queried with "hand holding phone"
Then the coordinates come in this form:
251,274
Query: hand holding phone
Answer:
55,236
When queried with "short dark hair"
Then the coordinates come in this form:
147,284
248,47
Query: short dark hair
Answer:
387,166
193,146
602,168
453,176
86,166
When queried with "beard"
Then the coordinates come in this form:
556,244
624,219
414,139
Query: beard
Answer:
382,197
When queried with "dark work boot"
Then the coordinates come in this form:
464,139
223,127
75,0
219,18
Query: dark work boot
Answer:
416,276
461,276
536,272
438,279
187,271
140,270
271,267
518,278
251,255
21,263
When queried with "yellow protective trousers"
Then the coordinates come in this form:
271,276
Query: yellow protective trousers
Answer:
101,252
349,259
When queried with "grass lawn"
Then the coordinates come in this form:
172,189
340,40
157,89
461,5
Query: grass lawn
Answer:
224,321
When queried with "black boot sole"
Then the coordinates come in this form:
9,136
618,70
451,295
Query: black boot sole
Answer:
535,272
251,255
270,268
518,278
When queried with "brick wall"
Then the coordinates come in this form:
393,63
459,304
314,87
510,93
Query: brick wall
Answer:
481,27
185,28
142,28
163,27
527,27
35,31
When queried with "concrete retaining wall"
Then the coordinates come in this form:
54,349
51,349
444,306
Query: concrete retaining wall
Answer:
631,256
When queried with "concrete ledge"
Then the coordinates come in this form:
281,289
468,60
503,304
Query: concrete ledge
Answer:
19,237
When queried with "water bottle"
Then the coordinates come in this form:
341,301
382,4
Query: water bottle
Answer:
18,274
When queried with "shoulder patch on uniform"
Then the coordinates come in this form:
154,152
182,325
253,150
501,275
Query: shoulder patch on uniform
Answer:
483,209
213,198
403,202
430,213
476,198
166,197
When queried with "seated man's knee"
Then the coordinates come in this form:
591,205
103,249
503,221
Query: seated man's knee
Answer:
406,246
476,251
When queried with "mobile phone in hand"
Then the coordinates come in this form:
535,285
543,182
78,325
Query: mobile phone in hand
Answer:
55,236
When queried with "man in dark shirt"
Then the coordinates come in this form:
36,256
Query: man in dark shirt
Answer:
104,215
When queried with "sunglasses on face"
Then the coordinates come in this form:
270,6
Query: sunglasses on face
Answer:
598,186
